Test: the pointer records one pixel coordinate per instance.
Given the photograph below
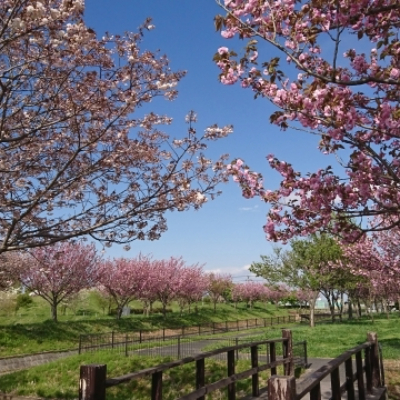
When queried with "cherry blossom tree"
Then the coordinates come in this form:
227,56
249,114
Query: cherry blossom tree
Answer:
76,156
168,280
124,279
250,292
59,271
335,73
10,263
376,259
218,285
194,286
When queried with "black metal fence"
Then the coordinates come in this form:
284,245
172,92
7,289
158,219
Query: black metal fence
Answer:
118,340
179,347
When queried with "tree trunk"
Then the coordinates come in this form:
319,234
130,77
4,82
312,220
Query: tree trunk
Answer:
119,312
331,307
146,308
340,307
369,307
54,316
350,308
312,302
164,309
385,308
359,308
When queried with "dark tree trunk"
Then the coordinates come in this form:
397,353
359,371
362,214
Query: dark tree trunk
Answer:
54,315
331,307
312,308
350,308
359,308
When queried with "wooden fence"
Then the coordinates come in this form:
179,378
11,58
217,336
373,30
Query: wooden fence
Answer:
94,382
369,375
113,340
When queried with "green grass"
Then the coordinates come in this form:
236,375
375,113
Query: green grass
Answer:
59,379
329,340
28,332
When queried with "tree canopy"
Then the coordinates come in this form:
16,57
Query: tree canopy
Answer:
76,156
337,76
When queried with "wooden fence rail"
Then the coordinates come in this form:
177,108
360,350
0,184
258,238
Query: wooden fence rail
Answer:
94,382
368,375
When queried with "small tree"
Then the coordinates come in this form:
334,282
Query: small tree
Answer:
218,285
123,279
249,292
194,286
59,271
168,279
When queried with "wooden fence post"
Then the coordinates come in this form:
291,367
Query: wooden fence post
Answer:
156,386
92,382
254,378
360,376
272,356
349,379
374,357
281,388
288,351
231,371
200,375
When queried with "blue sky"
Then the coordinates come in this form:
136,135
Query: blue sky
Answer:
226,235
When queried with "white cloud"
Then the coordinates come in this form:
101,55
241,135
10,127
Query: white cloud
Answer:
238,274
252,209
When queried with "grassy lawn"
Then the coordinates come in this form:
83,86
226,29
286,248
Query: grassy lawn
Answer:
59,379
30,330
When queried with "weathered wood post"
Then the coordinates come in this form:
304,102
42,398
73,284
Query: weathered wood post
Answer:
200,375
254,377
281,388
231,371
156,385
92,382
349,379
360,376
272,355
374,357
288,351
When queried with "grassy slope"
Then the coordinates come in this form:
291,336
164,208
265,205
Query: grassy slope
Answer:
41,334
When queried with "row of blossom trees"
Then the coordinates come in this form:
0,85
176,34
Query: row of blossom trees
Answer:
60,271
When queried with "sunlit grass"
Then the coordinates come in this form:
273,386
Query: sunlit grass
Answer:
59,379
40,334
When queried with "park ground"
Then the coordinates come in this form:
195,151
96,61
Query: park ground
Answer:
29,331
